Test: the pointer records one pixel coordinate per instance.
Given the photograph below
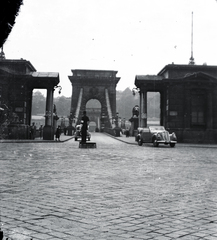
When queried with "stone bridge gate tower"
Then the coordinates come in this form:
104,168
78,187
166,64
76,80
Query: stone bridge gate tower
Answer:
94,84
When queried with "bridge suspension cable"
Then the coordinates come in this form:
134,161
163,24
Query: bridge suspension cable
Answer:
108,105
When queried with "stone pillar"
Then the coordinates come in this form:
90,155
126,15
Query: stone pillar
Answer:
48,132
143,109
162,109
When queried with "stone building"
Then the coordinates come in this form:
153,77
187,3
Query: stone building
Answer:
18,78
99,85
188,100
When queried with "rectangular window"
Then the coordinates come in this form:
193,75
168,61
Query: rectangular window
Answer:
198,109
198,118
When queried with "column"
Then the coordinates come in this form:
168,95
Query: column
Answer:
143,109
48,131
162,111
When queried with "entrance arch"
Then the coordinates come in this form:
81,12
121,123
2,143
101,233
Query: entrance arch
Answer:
93,109
94,84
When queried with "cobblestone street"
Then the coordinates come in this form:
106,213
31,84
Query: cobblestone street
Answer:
116,191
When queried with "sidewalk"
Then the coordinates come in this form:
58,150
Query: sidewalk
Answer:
63,138
131,140
123,138
128,140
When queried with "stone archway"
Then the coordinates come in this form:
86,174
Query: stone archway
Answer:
93,109
94,84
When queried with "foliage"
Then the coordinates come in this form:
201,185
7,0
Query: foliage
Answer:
38,103
125,102
153,105
63,105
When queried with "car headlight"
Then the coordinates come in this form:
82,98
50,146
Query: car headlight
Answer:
159,136
173,136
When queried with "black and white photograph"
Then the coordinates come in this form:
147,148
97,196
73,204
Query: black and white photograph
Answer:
108,119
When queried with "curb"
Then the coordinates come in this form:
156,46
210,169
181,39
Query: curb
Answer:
121,140
192,145
35,141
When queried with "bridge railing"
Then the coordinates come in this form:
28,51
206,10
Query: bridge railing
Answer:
113,131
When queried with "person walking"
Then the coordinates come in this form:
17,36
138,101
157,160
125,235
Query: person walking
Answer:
32,131
84,121
41,131
58,133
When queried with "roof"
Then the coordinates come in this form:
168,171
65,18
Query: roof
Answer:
195,67
198,74
14,66
148,77
87,73
45,74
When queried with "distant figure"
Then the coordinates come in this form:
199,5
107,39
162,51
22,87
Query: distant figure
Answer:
32,131
135,111
41,131
127,132
58,133
65,130
84,121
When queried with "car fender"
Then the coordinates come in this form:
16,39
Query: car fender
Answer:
154,136
138,137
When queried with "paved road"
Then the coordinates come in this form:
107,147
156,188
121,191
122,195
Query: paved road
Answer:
114,192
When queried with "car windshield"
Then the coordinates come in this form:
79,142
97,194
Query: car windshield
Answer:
156,128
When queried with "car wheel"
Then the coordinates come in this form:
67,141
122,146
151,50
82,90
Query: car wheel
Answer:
172,144
140,142
155,143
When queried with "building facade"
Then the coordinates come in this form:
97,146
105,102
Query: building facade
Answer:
18,78
188,100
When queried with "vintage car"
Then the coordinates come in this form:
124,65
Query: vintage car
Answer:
155,135
78,133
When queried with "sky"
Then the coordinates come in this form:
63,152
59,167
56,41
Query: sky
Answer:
133,37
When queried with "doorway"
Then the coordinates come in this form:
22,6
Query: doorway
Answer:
38,107
153,108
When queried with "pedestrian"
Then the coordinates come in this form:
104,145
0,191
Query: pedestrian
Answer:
41,131
58,133
65,130
84,121
32,131
127,132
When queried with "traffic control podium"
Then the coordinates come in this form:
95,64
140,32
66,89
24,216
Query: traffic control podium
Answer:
87,145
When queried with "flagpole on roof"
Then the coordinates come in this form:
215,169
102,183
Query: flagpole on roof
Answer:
191,58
